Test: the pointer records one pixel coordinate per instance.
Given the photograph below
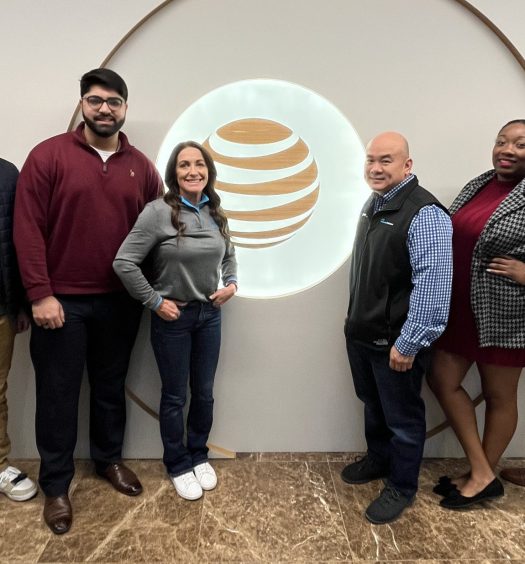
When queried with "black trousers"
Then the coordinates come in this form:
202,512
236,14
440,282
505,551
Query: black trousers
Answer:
99,333
394,412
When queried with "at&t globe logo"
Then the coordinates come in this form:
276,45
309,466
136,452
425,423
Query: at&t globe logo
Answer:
269,195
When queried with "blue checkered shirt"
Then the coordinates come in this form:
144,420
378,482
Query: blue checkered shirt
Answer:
429,245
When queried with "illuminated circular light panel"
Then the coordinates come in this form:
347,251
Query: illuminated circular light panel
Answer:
290,178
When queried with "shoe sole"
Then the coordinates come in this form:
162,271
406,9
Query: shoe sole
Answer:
348,481
21,497
126,492
377,522
188,498
471,503
208,489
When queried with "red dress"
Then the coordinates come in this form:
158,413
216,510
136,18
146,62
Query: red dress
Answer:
461,336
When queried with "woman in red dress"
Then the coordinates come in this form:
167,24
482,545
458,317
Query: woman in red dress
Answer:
487,318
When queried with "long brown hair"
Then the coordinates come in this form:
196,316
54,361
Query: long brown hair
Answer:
172,197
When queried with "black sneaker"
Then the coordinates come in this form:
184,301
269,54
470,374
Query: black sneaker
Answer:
363,470
388,506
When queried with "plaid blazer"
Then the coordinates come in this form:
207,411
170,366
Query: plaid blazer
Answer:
498,303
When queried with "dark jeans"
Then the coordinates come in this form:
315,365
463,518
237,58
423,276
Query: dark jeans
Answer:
186,348
99,332
394,412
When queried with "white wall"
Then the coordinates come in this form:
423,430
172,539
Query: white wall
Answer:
428,69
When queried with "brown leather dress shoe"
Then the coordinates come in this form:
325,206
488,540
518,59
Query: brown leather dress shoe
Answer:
58,514
123,479
514,475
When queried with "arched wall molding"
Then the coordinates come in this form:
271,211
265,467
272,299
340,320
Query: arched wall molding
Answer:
467,5
495,29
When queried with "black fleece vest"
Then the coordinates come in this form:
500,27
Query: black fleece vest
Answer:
380,270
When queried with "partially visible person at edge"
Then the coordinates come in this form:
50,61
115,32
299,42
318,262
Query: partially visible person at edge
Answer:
78,196
13,319
487,320
185,237
400,280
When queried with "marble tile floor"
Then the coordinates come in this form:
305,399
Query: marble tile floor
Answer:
280,507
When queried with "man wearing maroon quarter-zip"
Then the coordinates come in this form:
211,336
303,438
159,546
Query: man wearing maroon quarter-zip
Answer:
78,195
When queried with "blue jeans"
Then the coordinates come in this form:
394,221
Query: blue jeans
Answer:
394,412
186,348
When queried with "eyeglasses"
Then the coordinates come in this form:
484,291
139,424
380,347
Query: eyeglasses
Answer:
96,102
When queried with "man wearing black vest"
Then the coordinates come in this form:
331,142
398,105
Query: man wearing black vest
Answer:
400,280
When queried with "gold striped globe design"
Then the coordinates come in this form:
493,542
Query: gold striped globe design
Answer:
267,179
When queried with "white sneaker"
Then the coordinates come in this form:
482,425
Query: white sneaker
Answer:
187,486
16,485
205,475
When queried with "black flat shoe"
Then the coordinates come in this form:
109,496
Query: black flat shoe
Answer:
444,489
457,501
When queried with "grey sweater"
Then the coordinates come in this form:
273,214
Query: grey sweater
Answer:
184,269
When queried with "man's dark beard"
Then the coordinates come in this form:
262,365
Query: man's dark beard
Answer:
104,130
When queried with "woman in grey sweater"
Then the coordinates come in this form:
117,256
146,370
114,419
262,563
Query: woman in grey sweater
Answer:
184,237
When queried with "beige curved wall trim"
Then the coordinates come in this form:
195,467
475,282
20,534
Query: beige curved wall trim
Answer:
496,30
118,46
467,5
